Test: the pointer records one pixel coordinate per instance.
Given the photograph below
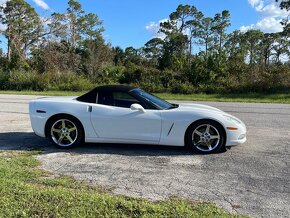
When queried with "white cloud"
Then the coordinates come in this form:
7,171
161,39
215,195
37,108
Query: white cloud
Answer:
271,10
254,2
267,25
153,27
2,27
271,16
41,4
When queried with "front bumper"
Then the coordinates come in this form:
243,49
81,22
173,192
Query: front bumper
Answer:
236,142
237,137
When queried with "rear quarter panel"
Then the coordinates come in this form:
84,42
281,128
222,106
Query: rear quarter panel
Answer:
54,107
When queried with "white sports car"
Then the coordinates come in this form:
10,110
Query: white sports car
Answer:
124,114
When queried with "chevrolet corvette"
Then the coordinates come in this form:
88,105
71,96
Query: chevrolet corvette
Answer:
125,114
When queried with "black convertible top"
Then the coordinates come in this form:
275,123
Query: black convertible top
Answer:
110,88
90,96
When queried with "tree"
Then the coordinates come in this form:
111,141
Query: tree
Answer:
83,34
177,20
236,51
268,45
176,41
95,53
180,16
194,26
220,23
280,46
75,21
153,50
119,55
285,4
252,39
205,37
52,56
132,55
92,26
75,24
23,28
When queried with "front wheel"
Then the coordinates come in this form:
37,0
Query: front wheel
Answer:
65,132
206,137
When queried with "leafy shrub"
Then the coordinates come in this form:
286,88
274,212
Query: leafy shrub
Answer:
112,74
4,77
146,78
68,81
194,79
21,80
182,88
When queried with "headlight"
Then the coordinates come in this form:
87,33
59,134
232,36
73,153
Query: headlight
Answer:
234,120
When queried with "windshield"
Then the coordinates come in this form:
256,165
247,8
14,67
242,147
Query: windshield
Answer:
157,102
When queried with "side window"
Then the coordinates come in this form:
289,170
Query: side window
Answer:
123,99
118,99
105,98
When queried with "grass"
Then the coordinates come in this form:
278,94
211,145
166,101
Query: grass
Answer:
27,191
44,93
283,98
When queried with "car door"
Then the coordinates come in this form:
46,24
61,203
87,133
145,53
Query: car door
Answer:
112,118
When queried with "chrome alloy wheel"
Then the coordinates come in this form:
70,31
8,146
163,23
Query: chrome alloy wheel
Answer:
64,133
205,137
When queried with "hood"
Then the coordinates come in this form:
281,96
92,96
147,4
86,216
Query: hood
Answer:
190,106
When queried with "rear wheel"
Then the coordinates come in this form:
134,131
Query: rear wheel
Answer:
65,132
206,137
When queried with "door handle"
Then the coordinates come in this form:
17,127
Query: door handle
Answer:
90,108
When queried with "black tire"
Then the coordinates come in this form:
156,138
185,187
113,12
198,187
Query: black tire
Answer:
65,131
205,137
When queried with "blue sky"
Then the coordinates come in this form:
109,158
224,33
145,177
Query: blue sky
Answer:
134,22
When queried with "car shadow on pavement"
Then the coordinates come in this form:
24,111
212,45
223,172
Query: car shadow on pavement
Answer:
29,141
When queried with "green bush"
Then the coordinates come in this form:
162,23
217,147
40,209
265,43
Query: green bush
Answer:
21,80
4,77
195,79
112,74
182,88
68,81
149,79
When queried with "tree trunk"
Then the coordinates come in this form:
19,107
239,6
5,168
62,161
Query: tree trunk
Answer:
221,41
9,50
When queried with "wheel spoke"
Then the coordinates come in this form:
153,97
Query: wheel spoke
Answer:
56,130
198,143
214,137
60,139
69,138
209,147
72,129
207,128
63,123
198,132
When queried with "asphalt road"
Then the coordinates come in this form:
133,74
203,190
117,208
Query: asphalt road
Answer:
251,179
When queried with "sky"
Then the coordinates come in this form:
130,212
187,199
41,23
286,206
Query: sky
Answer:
134,22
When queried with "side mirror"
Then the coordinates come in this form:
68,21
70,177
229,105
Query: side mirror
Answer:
137,107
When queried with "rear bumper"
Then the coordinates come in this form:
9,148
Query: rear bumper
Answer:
38,121
38,125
